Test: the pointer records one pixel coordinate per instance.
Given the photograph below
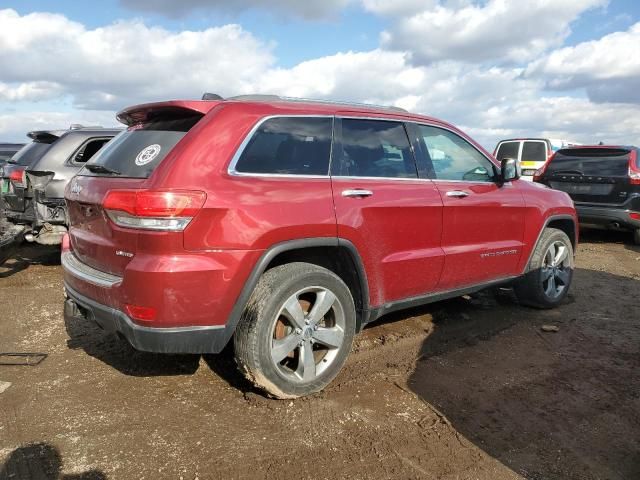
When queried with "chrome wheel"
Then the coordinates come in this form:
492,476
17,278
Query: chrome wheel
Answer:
555,269
307,334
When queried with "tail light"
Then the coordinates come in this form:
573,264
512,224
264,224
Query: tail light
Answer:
18,177
634,215
540,172
634,168
153,210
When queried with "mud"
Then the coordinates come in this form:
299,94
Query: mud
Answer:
470,388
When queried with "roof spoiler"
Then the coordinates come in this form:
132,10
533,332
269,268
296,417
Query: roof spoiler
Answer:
45,136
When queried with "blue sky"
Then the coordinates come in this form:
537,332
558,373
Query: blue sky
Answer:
485,66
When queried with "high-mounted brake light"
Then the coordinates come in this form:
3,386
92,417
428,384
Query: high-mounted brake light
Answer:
153,210
540,172
634,168
18,177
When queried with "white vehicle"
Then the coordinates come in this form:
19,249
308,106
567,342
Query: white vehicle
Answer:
531,152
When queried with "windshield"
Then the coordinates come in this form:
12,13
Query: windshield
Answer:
136,152
28,154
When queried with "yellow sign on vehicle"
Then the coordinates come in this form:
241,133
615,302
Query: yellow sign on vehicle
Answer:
528,163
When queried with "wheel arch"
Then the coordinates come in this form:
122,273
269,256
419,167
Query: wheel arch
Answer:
566,223
330,252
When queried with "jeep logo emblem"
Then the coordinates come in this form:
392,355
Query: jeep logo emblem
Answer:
76,188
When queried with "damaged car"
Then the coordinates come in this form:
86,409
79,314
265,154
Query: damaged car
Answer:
35,179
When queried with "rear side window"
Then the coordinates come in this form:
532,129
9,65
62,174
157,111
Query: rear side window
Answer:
534,152
136,152
613,162
89,149
508,150
289,146
374,148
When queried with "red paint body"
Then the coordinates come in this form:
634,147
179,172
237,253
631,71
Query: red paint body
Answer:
411,237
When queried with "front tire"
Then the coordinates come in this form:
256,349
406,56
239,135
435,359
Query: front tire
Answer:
296,331
549,273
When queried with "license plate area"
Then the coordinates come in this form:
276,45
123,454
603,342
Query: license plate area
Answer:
583,188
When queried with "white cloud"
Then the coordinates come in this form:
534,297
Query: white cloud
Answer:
309,9
14,125
127,61
496,30
608,68
29,91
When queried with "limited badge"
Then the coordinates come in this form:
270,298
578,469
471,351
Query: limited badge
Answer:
147,154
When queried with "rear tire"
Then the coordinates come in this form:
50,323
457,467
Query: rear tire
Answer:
296,331
636,236
549,273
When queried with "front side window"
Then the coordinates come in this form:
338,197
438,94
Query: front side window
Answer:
374,148
89,149
289,146
453,158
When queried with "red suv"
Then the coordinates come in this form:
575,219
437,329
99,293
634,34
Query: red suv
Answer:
290,224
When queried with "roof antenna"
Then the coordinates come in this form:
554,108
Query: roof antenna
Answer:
211,96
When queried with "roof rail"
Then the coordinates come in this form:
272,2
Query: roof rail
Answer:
277,98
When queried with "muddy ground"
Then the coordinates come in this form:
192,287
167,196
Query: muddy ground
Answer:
465,389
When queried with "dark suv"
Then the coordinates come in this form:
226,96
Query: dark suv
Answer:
35,178
288,225
603,181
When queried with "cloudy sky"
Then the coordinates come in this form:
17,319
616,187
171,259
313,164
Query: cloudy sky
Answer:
496,68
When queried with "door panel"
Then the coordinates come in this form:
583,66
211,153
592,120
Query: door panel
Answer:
391,216
482,223
396,230
482,233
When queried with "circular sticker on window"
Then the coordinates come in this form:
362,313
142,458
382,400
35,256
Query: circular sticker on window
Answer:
147,154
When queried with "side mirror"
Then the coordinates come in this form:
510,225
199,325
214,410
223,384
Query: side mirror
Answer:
509,170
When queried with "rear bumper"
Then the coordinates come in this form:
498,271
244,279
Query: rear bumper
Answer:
598,215
147,339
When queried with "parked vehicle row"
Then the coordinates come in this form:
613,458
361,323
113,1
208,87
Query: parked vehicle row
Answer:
33,180
286,225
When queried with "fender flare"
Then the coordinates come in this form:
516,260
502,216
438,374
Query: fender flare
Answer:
545,224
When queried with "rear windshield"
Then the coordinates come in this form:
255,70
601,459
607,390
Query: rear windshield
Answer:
612,162
508,150
534,152
30,153
136,152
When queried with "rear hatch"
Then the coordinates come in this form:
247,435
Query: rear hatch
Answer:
595,175
13,172
99,236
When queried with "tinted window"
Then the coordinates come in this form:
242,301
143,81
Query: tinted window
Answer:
137,151
508,150
30,153
590,161
534,152
289,146
374,148
89,149
454,158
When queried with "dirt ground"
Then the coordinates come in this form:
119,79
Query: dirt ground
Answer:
465,389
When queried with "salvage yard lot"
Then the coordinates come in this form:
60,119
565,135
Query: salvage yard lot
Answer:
468,388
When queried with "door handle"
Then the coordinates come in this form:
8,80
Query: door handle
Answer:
457,194
357,193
